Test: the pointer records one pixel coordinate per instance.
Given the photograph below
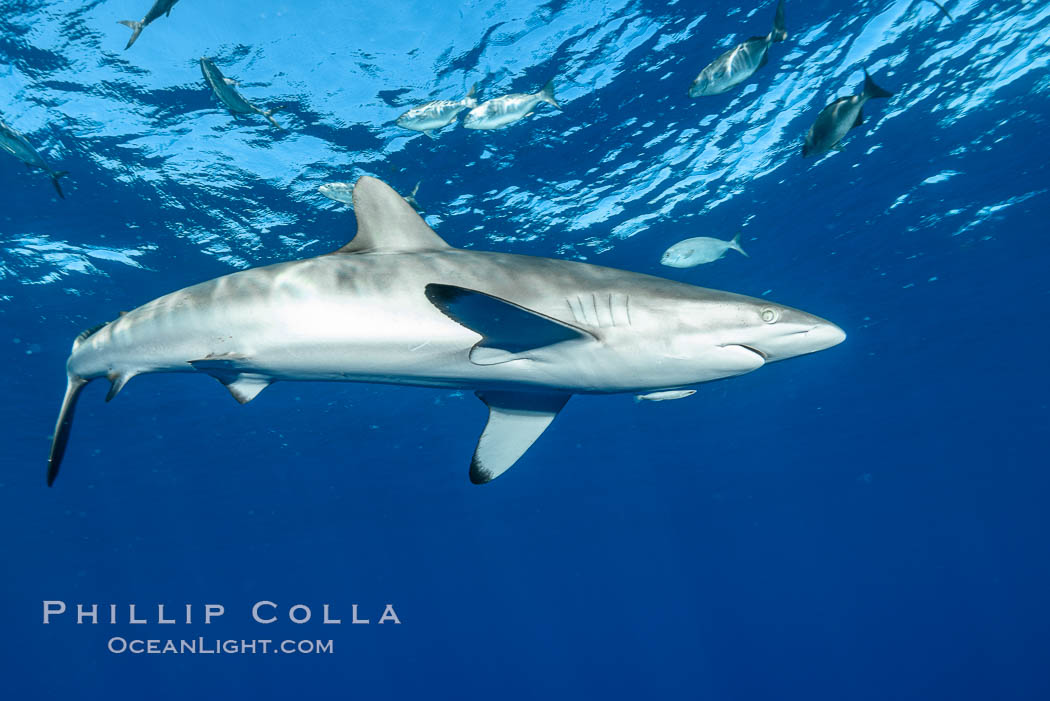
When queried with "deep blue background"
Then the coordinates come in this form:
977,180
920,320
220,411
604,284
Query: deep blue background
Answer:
865,523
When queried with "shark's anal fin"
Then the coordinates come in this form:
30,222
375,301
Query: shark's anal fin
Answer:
516,420
117,382
243,384
386,223
507,330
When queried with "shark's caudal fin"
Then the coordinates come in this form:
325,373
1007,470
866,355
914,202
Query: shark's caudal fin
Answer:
136,29
54,181
516,420
74,386
735,245
873,90
508,331
386,222
546,94
779,32
469,100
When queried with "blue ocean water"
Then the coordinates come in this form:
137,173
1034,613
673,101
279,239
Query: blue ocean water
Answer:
864,523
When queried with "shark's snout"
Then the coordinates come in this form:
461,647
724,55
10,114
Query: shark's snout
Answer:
801,340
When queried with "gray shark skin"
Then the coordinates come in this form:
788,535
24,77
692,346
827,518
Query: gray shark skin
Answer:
13,142
740,62
835,120
502,111
160,8
434,115
399,305
228,95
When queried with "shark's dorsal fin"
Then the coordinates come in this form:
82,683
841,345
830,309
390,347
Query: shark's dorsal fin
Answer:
516,420
508,331
386,223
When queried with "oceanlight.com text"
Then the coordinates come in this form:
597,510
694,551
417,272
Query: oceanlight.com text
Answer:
213,646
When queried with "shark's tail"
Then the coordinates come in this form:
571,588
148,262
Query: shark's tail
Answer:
735,245
779,32
873,90
269,115
470,100
74,386
546,94
54,181
136,29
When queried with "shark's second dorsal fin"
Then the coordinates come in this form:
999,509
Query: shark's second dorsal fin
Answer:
386,223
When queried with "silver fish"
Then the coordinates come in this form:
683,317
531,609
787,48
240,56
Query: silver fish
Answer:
18,146
160,8
835,120
434,115
228,95
399,305
740,62
344,192
508,109
699,250
340,192
665,395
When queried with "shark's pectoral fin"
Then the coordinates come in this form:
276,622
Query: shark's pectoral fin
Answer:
243,384
516,420
386,223
507,330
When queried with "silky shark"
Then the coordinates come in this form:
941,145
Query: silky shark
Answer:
399,305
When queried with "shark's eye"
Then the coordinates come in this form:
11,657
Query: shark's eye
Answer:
770,315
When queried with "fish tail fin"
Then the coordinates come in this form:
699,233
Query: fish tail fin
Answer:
471,101
943,9
269,115
54,181
74,386
873,90
136,29
735,245
779,32
546,94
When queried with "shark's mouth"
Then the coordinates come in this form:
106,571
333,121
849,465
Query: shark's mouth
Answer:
754,350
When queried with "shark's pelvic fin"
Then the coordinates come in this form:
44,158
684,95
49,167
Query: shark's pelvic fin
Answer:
385,222
243,384
516,420
507,330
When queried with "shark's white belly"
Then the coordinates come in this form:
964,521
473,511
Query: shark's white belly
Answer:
367,318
